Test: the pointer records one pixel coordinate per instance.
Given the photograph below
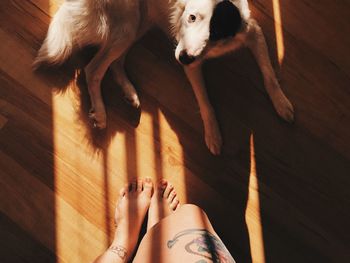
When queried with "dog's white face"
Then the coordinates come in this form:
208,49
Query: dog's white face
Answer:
193,29
196,22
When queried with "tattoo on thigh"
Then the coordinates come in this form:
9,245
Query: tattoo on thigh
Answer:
204,244
119,250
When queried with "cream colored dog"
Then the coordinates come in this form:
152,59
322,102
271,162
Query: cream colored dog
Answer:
202,28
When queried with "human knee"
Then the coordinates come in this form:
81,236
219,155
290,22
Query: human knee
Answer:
192,210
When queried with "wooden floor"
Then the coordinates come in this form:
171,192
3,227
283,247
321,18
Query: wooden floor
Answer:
278,193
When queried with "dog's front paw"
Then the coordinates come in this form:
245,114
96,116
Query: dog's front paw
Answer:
132,99
213,137
130,94
283,106
98,118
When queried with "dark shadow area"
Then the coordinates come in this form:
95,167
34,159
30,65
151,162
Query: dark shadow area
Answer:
18,246
27,177
27,202
302,179
222,174
302,169
228,174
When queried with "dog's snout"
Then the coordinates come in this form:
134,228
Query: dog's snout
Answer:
185,58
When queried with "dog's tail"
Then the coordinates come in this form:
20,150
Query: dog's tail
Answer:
58,45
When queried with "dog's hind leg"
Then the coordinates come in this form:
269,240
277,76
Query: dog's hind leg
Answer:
95,71
122,79
257,44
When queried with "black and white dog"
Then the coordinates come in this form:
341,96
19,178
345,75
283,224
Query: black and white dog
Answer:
202,28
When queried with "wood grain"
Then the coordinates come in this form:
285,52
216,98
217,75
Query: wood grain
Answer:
278,193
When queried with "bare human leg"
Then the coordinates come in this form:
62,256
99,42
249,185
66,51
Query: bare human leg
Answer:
132,205
184,234
164,202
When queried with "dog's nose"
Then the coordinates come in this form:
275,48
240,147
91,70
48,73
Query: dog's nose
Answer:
185,58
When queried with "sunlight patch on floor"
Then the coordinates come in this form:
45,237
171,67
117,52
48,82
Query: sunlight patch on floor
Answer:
76,198
159,152
144,141
54,5
117,159
50,7
252,214
173,162
87,183
278,30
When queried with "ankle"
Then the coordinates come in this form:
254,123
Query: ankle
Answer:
121,236
125,238
120,251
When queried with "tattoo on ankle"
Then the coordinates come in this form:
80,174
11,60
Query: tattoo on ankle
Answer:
119,250
204,244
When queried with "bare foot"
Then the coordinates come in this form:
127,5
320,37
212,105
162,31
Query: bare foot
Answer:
164,202
134,201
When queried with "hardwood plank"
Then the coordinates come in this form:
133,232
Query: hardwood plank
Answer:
52,220
3,121
18,246
65,176
320,25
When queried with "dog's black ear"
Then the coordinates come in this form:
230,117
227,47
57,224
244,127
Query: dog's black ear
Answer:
225,22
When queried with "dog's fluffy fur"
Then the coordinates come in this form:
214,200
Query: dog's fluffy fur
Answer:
202,28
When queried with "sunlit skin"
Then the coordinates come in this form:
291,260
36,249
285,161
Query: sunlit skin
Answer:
135,200
131,208
174,233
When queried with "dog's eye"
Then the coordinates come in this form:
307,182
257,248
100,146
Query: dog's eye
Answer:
191,18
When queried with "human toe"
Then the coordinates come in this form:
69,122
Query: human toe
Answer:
148,186
167,190
174,204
